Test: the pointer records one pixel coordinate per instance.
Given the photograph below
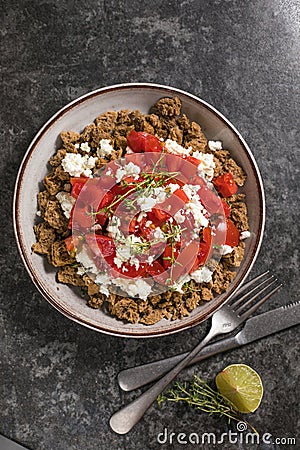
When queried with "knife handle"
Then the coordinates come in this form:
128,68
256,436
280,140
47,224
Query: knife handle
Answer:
138,376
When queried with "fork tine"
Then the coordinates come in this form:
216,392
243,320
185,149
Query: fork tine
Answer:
245,296
249,283
258,304
254,297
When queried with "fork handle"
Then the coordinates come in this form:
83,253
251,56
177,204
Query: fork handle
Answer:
122,421
135,377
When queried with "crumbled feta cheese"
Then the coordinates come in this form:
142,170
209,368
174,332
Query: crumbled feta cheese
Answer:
202,275
128,151
66,202
245,234
39,213
206,165
127,170
146,203
225,249
141,215
158,234
76,164
177,285
173,187
160,194
179,217
215,145
133,287
190,190
77,146
86,261
113,227
150,260
85,147
177,149
105,148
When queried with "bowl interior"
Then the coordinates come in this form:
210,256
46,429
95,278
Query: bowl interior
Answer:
75,117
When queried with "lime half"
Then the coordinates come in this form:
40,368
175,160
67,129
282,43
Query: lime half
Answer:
241,385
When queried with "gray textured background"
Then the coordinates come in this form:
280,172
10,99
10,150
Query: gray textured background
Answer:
58,379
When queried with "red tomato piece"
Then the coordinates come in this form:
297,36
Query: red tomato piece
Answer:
155,268
195,265
107,199
210,200
207,235
168,255
77,184
193,160
140,141
132,225
101,218
226,184
203,252
232,234
70,245
98,242
226,208
182,195
145,231
160,215
82,218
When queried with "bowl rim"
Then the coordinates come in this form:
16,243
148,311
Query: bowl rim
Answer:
16,208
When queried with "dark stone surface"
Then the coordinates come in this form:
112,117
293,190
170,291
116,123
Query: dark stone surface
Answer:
58,379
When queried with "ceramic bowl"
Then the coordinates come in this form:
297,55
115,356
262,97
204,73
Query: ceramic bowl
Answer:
75,116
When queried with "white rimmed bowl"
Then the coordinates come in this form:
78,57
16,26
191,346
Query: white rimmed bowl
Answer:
75,116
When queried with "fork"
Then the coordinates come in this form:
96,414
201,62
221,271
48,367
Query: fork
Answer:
138,376
226,319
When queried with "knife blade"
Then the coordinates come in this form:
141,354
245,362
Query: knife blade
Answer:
257,327
8,444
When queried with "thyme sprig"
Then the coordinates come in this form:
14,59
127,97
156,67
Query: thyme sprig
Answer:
147,185
199,395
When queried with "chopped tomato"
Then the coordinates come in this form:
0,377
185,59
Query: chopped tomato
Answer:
70,245
193,160
207,235
232,234
203,252
226,208
226,184
210,200
98,242
182,195
159,215
107,199
101,218
132,225
169,256
140,141
82,217
145,231
185,261
158,272
195,265
77,184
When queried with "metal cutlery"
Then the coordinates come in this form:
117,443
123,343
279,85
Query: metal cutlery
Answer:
225,320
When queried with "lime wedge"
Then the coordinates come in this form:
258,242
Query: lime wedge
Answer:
241,385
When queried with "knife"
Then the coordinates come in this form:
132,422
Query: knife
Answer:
255,328
8,444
